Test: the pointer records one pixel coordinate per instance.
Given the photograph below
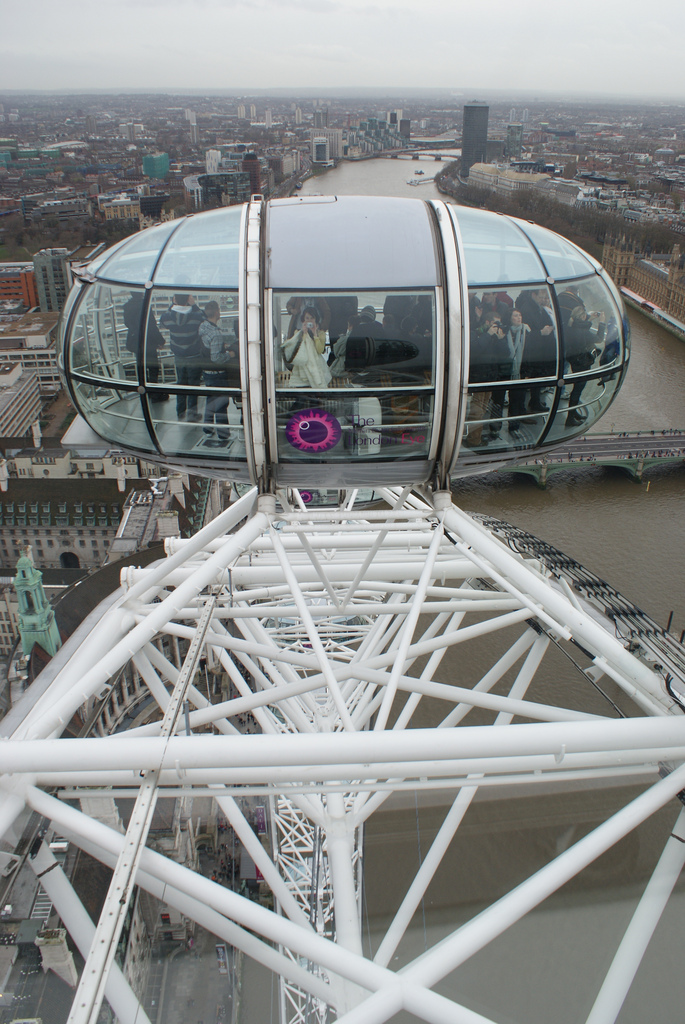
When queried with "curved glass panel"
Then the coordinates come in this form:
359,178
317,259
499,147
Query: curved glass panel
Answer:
583,404
355,375
211,425
115,415
192,341
203,252
497,418
495,251
106,331
590,326
94,265
512,335
72,298
134,261
561,258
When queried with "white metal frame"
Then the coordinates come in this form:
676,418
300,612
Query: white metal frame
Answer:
332,626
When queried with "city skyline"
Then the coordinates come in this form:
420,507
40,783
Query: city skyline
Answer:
338,44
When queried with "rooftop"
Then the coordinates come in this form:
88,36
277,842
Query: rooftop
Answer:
30,323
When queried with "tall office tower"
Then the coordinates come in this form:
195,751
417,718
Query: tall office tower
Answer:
253,112
53,278
512,114
392,117
190,116
241,111
298,115
474,135
268,119
514,141
525,115
405,127
91,125
194,134
251,165
321,118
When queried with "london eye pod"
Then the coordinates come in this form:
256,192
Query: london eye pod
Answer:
340,343
443,339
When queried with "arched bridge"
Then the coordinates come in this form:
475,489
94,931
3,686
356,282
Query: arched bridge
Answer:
631,452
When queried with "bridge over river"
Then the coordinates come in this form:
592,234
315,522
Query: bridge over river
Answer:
630,452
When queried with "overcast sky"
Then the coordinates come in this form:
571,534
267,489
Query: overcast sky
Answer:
632,49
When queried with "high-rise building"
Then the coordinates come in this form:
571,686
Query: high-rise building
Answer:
268,120
18,284
53,278
91,125
194,134
320,151
474,135
241,111
253,112
514,141
298,115
20,402
334,138
525,116
321,118
251,165
156,165
405,127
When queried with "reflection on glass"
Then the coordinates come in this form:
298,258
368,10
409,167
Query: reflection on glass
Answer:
134,261
513,336
218,431
583,405
106,333
495,251
197,346
370,339
329,427
354,375
493,420
590,328
204,250
116,415
561,258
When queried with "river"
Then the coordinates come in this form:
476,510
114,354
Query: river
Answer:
633,535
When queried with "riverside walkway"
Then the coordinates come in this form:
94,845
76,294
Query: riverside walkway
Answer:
630,452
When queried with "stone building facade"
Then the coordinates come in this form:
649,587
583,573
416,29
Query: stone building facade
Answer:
659,279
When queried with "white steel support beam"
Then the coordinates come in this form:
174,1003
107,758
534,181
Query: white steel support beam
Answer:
639,932
341,633
91,988
76,920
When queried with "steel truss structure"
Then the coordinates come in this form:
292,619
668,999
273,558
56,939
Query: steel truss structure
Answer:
335,627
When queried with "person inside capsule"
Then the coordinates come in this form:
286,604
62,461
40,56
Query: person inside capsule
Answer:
303,353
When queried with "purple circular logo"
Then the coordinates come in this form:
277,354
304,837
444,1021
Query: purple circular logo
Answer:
313,430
